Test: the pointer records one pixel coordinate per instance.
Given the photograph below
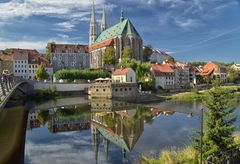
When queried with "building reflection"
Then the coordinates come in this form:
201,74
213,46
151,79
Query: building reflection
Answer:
119,123
32,121
110,122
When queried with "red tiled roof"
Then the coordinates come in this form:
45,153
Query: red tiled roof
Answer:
33,56
161,68
106,43
211,67
122,71
22,54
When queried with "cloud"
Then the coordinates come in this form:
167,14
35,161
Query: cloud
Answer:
28,43
64,26
54,8
187,23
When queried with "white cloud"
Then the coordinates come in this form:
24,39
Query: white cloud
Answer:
187,23
26,8
35,44
65,26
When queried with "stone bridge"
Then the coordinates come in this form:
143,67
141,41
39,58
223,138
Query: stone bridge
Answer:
11,85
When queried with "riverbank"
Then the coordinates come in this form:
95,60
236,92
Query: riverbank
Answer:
185,155
200,95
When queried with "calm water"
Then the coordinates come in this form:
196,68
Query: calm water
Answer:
75,130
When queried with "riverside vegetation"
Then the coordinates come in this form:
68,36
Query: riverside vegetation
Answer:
218,139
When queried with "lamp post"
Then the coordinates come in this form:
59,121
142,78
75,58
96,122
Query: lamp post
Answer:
201,140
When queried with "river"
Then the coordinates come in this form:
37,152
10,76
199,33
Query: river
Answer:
77,130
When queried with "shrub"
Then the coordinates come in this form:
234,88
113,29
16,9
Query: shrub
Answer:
76,74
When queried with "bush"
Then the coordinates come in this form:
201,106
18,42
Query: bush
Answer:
186,155
76,74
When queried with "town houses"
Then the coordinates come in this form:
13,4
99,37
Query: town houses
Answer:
26,61
168,74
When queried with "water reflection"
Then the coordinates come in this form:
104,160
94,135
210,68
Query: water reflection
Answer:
109,122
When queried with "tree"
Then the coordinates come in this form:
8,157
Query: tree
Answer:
218,125
170,58
147,52
233,75
127,52
109,56
41,73
48,53
217,81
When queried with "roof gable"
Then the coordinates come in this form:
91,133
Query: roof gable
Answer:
161,68
122,71
124,27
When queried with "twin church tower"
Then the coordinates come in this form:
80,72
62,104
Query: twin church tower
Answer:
118,36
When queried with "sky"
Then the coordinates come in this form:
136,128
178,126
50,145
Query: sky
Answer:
190,30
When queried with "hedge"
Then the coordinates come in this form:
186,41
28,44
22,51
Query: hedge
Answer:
76,74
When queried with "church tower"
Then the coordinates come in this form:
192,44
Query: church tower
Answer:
93,26
104,21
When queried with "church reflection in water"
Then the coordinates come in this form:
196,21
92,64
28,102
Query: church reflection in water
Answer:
110,121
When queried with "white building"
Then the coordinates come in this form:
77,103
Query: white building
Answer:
236,67
158,57
124,75
164,76
26,62
69,56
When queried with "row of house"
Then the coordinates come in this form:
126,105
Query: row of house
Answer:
171,75
25,63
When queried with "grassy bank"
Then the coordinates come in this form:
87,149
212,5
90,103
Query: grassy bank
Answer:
175,156
199,95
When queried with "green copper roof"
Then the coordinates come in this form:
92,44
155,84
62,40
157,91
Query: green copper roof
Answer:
124,27
114,138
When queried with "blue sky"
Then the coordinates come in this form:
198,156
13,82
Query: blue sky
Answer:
191,30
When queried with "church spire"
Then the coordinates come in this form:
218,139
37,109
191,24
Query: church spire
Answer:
104,21
122,17
93,26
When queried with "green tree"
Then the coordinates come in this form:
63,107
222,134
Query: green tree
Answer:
233,75
41,73
109,56
216,82
219,125
170,58
147,52
48,53
127,52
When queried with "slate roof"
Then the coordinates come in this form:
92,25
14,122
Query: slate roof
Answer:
123,27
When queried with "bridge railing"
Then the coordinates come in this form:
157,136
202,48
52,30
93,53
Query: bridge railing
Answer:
7,83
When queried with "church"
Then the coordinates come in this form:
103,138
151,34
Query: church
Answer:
118,36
